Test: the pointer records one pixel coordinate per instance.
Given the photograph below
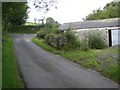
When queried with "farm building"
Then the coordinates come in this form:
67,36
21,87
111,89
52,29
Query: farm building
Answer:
109,29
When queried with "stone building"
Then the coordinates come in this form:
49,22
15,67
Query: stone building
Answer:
109,29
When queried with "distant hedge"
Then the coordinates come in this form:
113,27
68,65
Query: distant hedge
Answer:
24,29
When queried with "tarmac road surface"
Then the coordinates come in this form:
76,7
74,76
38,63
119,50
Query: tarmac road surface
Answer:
42,69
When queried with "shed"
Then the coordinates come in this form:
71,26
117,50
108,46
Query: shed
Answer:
110,28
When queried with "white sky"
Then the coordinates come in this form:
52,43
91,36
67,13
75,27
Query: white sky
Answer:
70,10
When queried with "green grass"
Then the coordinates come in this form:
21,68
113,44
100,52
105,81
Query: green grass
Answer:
10,74
113,72
45,46
31,24
0,75
88,59
0,65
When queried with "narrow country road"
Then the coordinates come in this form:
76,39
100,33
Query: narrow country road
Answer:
42,69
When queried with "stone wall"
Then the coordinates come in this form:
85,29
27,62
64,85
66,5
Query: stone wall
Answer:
83,34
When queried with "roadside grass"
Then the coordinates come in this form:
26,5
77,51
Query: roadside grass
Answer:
1,74
42,44
0,62
105,65
10,74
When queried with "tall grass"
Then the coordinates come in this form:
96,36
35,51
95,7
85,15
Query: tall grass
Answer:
10,74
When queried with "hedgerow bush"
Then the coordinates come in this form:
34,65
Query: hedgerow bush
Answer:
61,41
41,34
45,31
24,29
73,40
84,45
49,38
96,41
67,40
55,40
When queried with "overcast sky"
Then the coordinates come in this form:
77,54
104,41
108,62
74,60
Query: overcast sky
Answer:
70,10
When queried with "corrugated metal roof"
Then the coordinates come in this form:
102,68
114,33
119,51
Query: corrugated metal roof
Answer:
91,24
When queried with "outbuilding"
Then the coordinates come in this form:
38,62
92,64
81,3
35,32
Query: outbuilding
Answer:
109,28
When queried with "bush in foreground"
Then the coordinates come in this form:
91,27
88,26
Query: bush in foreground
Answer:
67,40
41,34
96,41
73,40
57,41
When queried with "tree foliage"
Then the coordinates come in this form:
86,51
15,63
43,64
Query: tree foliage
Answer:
44,5
51,23
13,13
111,10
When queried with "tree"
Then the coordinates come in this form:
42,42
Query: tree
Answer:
97,14
111,10
51,23
13,13
44,5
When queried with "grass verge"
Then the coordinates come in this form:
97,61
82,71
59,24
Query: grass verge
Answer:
10,74
0,62
99,60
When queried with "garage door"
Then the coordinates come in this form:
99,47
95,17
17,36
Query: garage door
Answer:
115,37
